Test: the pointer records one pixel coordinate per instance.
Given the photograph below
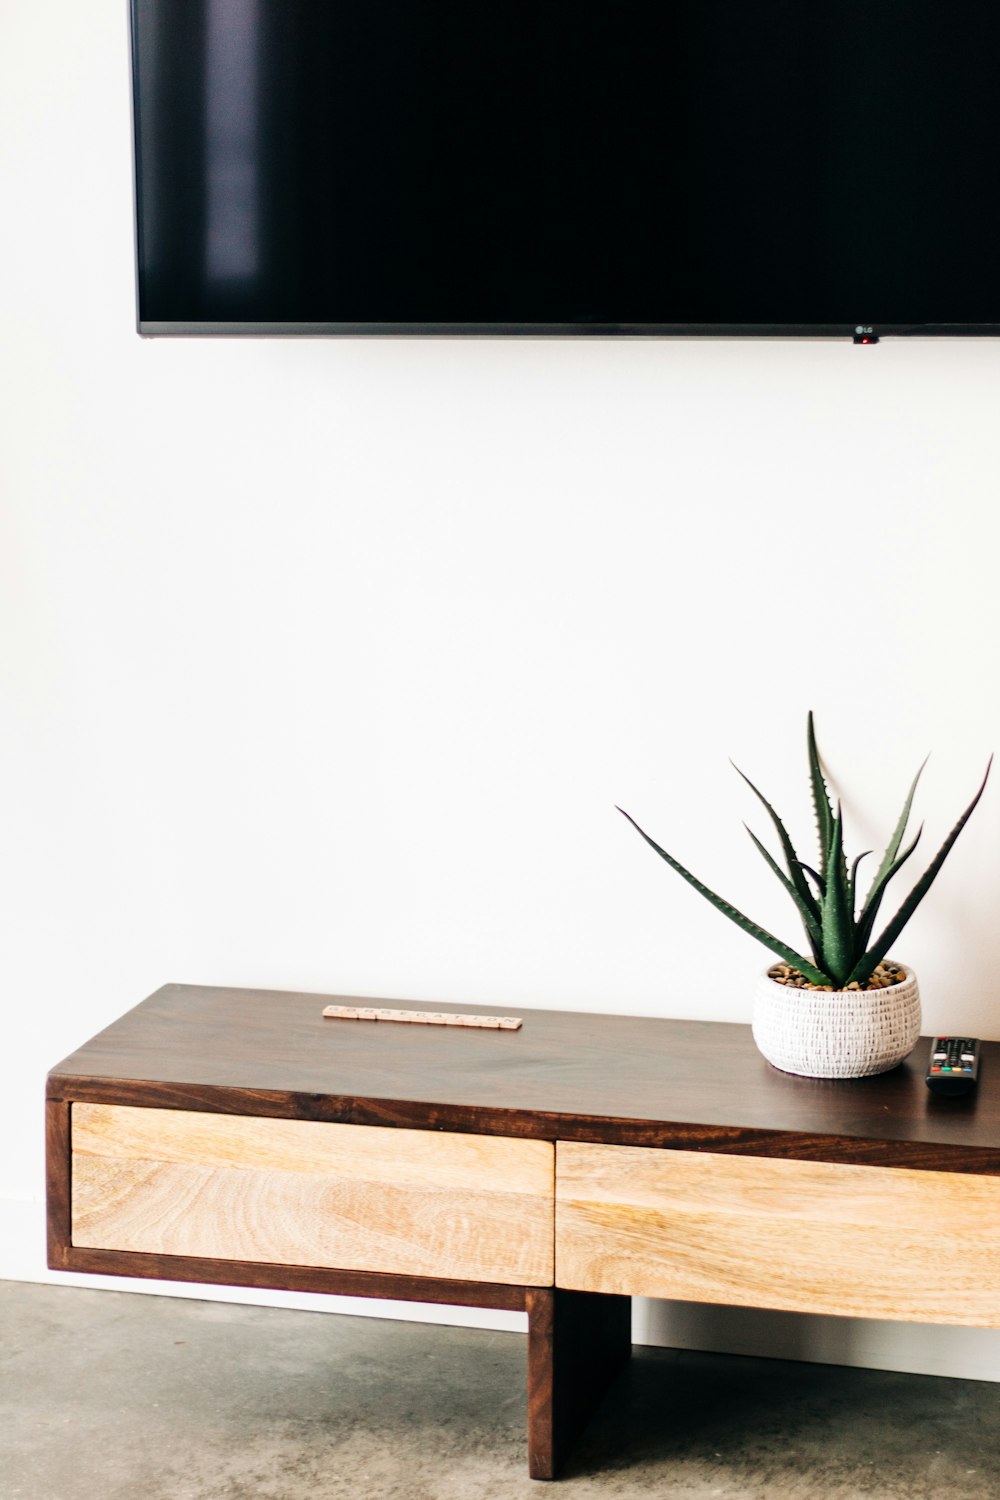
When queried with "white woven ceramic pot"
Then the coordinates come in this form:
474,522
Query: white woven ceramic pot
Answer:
836,1033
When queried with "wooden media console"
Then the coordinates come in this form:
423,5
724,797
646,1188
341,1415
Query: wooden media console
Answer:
236,1137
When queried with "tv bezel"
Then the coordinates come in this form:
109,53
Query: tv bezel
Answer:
155,328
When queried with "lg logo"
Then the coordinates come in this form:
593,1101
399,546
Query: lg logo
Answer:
864,328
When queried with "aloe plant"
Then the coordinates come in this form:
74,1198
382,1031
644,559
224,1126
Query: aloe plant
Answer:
838,925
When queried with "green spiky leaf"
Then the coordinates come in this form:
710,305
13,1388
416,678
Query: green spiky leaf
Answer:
820,795
852,883
837,917
801,885
866,921
892,848
760,933
809,913
815,875
867,963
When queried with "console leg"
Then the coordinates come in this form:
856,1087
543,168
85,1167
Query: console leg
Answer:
577,1344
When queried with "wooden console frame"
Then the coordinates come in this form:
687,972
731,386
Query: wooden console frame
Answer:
778,1160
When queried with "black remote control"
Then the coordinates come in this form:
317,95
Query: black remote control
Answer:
954,1065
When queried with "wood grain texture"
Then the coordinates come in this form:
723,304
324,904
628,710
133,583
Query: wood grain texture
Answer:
541,1307
578,1343
264,1274
173,1182
623,1079
802,1236
57,1189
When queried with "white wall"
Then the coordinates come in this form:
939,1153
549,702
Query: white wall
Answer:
323,663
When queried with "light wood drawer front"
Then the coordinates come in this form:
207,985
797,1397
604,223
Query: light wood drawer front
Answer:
300,1192
870,1242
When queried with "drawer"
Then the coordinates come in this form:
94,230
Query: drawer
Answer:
871,1242
305,1193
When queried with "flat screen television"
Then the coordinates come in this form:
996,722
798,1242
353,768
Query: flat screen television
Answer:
817,167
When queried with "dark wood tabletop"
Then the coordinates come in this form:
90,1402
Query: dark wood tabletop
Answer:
696,1085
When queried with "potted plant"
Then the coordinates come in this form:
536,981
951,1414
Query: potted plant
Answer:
844,1009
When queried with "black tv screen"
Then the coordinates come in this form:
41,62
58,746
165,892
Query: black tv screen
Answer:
567,166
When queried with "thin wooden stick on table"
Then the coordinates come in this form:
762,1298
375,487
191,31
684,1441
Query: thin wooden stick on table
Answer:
421,1017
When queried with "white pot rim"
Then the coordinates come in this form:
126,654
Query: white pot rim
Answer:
887,989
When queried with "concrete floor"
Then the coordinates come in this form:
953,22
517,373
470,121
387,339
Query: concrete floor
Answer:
117,1396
